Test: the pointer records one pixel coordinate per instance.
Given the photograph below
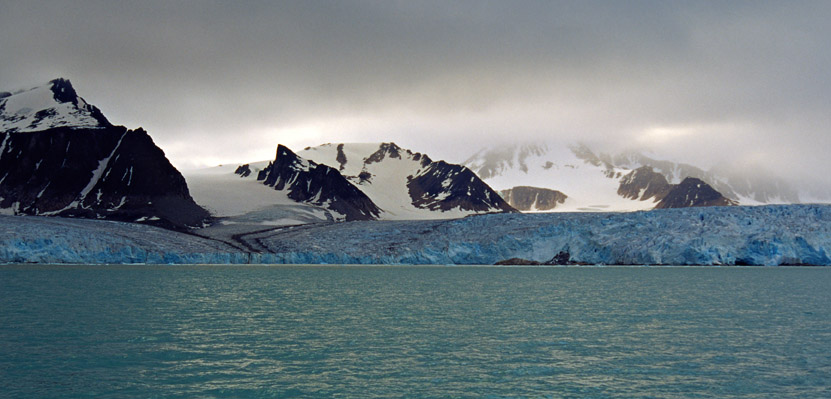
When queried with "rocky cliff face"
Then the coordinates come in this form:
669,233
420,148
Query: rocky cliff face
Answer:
443,186
693,192
643,184
107,173
525,198
59,156
309,182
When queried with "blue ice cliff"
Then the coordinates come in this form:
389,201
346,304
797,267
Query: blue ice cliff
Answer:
765,235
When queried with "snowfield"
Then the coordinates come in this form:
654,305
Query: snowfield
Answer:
765,235
37,109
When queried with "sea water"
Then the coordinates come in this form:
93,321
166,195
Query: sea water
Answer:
440,332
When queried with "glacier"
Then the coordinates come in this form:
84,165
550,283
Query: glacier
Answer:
744,235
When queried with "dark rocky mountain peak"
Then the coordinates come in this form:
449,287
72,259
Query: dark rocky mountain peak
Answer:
644,183
693,192
59,156
64,92
112,173
443,186
54,104
317,184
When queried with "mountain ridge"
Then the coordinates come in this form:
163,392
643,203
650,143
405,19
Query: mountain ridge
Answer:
59,156
598,181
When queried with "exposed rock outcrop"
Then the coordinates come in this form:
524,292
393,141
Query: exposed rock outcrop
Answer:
693,192
525,198
642,184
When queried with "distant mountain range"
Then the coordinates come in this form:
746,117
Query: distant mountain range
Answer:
353,182
60,156
627,181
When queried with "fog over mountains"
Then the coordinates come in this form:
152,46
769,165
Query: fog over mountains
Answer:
740,85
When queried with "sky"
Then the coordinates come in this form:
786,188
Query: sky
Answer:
742,84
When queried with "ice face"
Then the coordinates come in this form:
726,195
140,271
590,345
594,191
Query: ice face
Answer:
768,235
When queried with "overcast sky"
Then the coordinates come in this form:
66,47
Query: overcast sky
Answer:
742,83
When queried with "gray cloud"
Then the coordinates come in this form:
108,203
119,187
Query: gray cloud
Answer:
742,83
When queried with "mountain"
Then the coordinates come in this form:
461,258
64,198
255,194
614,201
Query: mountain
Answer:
409,185
338,182
644,184
526,198
692,192
626,181
749,188
589,184
321,185
59,156
55,104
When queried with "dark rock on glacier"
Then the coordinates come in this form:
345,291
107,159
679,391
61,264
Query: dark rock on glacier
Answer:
307,181
693,192
243,170
525,198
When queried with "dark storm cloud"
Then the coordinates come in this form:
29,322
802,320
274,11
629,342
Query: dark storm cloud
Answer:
742,82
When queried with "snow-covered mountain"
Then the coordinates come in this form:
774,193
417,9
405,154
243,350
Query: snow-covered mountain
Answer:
628,181
408,185
59,156
335,182
588,185
55,104
756,188
317,184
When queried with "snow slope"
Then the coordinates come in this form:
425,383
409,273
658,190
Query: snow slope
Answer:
383,170
240,199
591,179
387,186
54,104
590,187
765,235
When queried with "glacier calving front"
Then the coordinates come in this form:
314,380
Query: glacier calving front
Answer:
766,235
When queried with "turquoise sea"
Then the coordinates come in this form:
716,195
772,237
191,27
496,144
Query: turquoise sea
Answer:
414,332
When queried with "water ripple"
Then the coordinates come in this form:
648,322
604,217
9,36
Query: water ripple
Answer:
385,332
